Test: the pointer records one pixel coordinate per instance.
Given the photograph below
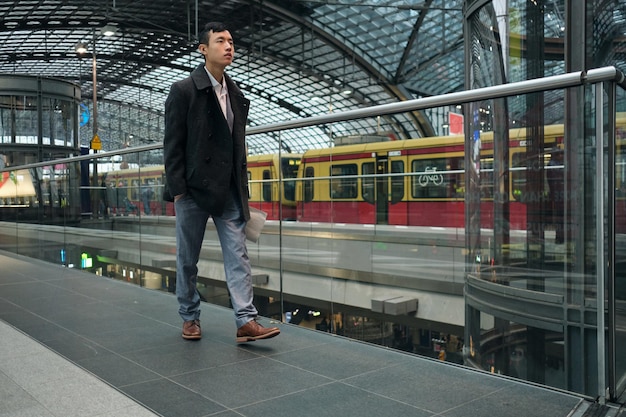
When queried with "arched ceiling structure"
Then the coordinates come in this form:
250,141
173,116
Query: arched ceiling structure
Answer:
294,58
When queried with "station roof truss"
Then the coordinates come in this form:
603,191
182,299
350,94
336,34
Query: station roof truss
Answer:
294,58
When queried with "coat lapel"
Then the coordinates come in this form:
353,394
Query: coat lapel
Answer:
239,104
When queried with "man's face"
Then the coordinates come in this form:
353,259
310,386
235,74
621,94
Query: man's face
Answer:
219,50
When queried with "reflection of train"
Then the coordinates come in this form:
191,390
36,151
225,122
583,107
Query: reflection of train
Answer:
136,189
35,187
16,189
37,193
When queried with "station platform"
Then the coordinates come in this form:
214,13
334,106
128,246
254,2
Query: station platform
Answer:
77,344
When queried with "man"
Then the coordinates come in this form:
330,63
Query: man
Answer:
146,197
205,172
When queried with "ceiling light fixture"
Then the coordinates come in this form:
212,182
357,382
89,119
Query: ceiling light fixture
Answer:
108,30
81,48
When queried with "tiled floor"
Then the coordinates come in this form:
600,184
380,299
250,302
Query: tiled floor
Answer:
35,381
129,337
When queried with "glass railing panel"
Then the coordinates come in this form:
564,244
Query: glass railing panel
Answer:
277,258
15,185
520,351
537,249
47,195
516,198
130,188
374,220
97,243
620,238
386,241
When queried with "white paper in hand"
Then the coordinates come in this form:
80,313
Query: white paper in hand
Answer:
255,224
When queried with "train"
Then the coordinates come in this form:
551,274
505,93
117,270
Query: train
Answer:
276,198
414,182
133,189
411,182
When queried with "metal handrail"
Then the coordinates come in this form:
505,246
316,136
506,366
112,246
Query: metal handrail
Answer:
553,82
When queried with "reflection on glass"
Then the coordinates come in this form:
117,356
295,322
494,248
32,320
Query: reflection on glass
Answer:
520,351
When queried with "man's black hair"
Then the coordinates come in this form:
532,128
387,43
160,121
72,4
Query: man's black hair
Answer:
214,27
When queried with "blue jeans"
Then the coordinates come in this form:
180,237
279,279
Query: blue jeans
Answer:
191,223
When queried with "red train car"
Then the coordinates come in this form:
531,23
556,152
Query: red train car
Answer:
415,182
265,173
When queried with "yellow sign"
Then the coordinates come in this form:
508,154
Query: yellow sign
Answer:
95,143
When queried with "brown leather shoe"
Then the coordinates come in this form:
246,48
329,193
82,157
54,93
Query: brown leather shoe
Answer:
191,330
252,331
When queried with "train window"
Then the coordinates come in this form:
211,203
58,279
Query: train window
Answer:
133,190
432,180
620,171
457,183
524,167
290,167
397,182
289,189
519,161
267,185
147,190
367,184
486,177
290,170
309,172
343,187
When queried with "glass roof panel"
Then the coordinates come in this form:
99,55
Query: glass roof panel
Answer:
293,58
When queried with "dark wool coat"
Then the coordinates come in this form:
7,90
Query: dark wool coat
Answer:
202,158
